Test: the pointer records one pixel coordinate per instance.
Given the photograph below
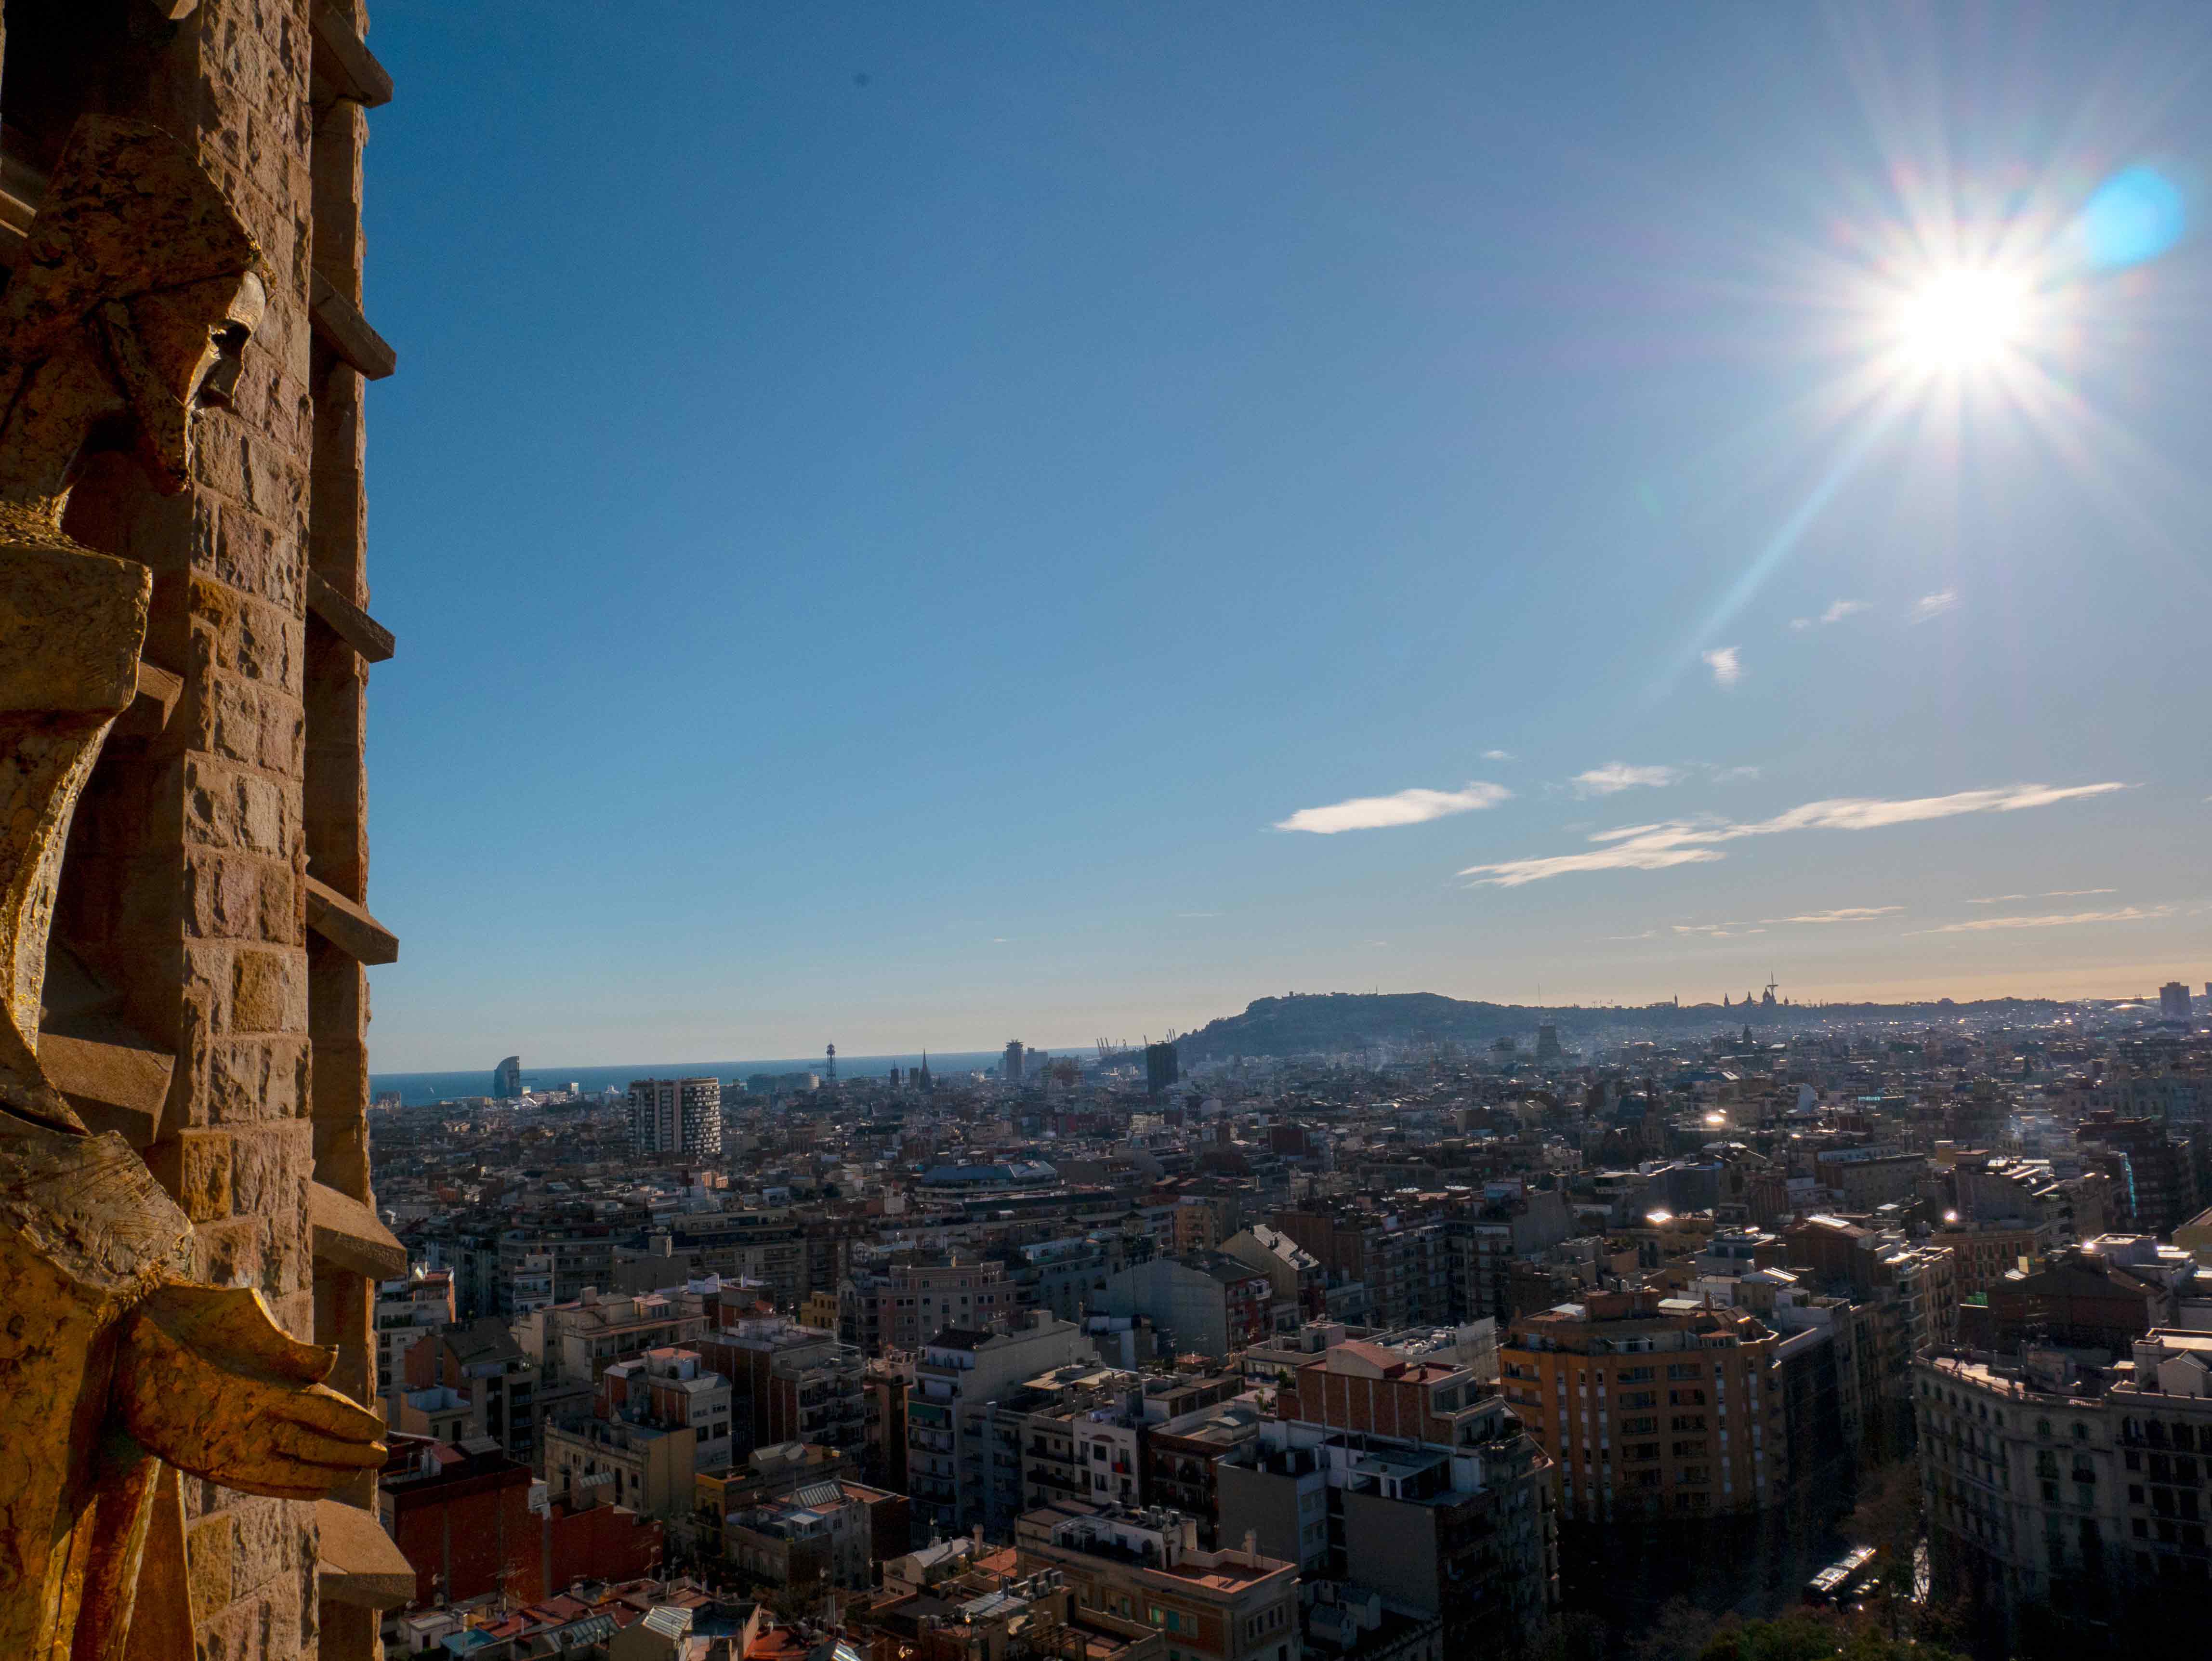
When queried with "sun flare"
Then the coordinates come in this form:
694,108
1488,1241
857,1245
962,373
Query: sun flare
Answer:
1962,319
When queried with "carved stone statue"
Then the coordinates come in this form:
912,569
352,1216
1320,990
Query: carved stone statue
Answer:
135,295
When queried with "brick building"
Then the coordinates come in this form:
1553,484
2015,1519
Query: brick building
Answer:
463,1519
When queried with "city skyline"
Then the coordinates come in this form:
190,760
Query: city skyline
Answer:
1026,528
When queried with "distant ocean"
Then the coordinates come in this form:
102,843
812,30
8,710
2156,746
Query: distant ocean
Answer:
420,1089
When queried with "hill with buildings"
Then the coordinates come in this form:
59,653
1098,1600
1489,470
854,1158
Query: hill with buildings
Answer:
1301,1023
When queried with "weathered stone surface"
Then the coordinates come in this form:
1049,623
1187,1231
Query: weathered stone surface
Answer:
194,1166
144,1346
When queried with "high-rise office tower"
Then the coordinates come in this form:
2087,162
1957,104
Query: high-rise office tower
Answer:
1162,1067
1010,1068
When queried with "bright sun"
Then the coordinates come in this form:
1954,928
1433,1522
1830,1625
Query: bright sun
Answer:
1962,319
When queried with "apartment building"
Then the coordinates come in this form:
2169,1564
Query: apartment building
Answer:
1182,1457
960,1464
907,1302
1207,1303
1356,1385
672,1388
1298,1279
1984,1253
676,1116
1146,1566
406,1310
484,1367
1462,1533
1652,1406
574,1342
647,1468
1077,1437
816,1536
802,1385
2044,1483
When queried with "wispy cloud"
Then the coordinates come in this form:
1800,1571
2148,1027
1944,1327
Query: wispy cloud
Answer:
2121,914
1406,807
1727,667
1647,935
1498,755
2048,894
1198,914
1934,605
1835,613
1843,914
1692,841
1730,775
1618,775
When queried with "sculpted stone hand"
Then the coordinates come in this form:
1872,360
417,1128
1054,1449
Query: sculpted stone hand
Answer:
206,1379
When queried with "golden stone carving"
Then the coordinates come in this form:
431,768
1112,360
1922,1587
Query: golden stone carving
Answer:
136,292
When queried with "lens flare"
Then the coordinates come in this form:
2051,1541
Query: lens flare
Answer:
1962,319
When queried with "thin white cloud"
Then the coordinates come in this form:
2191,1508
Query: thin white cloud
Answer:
1198,914
1618,775
1498,755
1934,605
1729,775
1645,935
1406,807
1842,914
1837,611
1692,841
1727,667
2122,914
2048,894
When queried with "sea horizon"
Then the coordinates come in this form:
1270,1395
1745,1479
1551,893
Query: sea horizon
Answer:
421,1089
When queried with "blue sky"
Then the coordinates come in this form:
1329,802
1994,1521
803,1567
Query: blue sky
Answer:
890,511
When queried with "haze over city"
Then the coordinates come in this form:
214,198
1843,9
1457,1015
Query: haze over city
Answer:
1009,522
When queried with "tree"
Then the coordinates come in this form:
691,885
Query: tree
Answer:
1888,1518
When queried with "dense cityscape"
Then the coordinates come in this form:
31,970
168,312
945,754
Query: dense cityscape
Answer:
1631,1344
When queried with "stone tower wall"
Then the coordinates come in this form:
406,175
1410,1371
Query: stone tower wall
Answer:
218,870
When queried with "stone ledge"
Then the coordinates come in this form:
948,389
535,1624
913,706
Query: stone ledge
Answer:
150,711
343,62
358,1563
340,326
349,1235
117,1081
346,925
348,621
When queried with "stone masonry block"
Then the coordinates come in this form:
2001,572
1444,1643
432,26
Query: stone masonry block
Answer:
231,807
269,1544
194,1166
270,1170
268,993
209,1550
255,1080
223,895
250,553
